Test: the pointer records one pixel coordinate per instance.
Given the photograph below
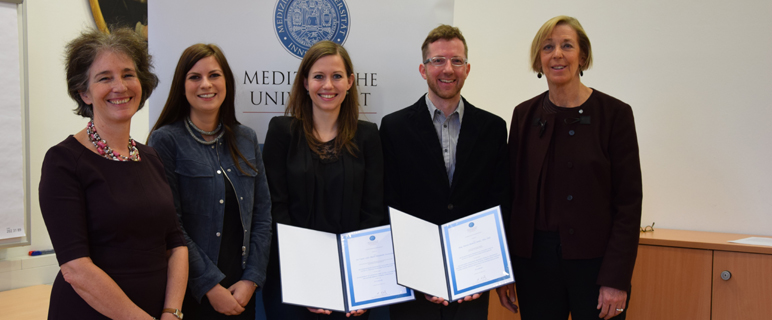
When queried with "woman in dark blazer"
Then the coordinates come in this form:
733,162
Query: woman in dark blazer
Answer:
324,166
576,188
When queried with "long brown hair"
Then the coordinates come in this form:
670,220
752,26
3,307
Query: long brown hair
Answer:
177,107
300,106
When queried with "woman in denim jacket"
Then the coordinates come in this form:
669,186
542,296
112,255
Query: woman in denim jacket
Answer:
216,173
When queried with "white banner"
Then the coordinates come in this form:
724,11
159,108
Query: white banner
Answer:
264,39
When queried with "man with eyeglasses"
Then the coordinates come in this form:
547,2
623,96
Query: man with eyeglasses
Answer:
444,159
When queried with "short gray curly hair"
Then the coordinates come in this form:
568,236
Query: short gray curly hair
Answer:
82,51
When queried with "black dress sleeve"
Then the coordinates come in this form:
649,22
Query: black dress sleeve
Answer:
275,151
63,204
626,200
372,212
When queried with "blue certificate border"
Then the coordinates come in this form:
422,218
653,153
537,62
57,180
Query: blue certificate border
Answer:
344,244
488,212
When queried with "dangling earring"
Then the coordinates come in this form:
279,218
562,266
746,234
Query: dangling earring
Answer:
581,73
538,75
346,92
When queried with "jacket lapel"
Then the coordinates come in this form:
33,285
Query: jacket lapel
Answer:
467,139
348,185
538,142
310,183
421,124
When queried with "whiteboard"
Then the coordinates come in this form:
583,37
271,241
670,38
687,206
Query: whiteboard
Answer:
14,178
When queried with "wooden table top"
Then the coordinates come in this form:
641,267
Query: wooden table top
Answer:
701,240
30,303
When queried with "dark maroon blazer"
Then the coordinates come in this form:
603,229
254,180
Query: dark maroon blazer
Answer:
594,184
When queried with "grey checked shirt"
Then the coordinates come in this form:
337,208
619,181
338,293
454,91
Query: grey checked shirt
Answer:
447,132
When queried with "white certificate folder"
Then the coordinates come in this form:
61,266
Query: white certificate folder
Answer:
346,272
454,260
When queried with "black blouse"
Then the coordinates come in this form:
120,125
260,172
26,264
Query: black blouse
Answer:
328,196
333,196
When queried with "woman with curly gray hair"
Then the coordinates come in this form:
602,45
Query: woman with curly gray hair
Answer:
104,197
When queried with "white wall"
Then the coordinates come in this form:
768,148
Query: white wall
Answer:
696,73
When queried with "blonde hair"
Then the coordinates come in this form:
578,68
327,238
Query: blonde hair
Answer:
546,30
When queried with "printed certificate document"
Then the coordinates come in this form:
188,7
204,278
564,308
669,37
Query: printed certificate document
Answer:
457,259
345,272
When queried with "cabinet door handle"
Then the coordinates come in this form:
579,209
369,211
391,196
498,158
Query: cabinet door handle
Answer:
726,275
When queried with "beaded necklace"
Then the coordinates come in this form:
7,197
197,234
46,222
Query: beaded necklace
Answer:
105,151
189,124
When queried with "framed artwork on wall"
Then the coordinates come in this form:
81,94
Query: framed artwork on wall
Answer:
111,14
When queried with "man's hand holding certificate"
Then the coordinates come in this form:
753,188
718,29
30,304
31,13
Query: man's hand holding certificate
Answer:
452,261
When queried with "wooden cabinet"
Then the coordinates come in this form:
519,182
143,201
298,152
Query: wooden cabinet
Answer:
671,283
748,293
678,276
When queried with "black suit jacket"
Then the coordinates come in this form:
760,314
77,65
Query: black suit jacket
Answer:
416,181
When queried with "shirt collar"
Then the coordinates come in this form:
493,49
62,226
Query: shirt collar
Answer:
432,108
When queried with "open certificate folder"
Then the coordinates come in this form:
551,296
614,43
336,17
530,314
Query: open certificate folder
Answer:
457,259
346,272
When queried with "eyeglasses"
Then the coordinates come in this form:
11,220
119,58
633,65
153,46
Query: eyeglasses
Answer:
648,228
440,61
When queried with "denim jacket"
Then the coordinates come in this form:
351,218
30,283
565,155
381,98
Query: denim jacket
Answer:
194,171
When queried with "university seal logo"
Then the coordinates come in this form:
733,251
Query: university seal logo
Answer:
301,23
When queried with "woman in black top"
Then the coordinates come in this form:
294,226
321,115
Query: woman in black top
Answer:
325,167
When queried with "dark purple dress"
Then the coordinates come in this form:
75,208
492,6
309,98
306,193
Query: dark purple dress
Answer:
119,214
